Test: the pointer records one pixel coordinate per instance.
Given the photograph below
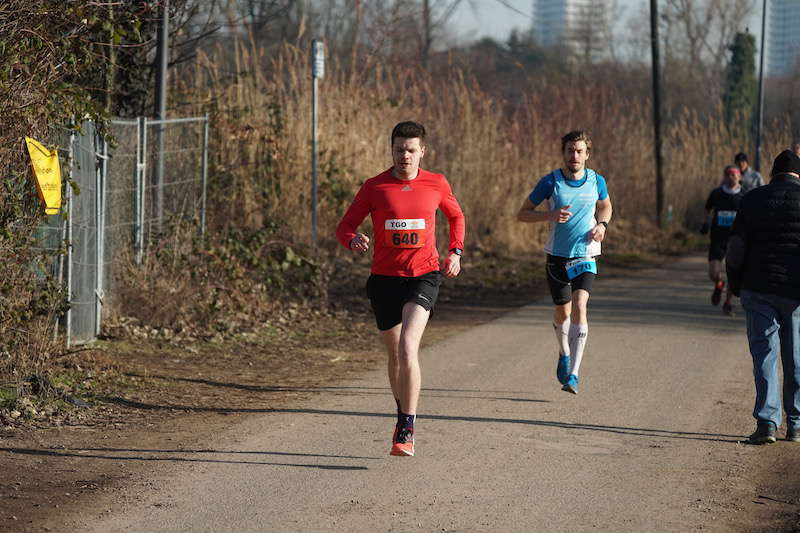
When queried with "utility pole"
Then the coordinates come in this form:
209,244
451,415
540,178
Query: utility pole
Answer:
426,30
317,72
110,55
162,62
760,110
654,44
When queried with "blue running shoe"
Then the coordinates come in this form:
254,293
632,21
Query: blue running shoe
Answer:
572,384
563,368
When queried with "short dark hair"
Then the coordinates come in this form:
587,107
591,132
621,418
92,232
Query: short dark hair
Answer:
741,156
575,136
409,130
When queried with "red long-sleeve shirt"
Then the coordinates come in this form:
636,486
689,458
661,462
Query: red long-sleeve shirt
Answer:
404,221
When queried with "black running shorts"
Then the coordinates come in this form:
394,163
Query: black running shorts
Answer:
561,287
717,248
388,295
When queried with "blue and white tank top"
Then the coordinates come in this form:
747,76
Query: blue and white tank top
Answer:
571,239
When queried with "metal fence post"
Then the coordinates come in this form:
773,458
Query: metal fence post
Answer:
61,259
100,209
205,179
70,266
141,172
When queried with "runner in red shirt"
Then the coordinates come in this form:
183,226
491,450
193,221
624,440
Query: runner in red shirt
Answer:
405,278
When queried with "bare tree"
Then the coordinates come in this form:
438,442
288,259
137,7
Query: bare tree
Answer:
695,38
707,27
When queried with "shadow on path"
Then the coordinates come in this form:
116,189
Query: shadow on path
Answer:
642,432
77,454
343,391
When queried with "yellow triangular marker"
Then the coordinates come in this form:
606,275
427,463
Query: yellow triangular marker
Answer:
47,170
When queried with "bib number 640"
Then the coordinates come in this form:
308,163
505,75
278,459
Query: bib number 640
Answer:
405,238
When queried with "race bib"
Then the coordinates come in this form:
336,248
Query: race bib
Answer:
404,233
576,267
725,218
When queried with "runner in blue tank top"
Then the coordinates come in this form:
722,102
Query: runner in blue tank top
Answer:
578,209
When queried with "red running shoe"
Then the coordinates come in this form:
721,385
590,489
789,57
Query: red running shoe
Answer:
716,296
403,442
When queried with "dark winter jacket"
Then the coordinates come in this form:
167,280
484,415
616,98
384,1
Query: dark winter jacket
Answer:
764,245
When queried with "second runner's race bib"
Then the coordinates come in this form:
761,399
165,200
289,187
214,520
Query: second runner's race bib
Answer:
404,233
576,267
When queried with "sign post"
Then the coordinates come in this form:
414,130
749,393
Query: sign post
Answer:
317,73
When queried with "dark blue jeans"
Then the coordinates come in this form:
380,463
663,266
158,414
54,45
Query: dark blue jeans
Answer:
773,331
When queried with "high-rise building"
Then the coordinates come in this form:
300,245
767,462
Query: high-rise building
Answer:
579,25
783,36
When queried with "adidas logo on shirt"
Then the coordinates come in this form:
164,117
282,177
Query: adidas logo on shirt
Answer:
406,188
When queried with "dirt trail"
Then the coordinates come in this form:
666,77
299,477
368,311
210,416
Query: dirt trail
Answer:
651,443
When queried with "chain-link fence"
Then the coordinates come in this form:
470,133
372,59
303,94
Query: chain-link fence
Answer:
84,235
128,193
156,177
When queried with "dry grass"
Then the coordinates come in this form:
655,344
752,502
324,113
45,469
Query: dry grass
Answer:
492,153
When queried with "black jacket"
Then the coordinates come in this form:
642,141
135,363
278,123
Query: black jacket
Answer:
764,245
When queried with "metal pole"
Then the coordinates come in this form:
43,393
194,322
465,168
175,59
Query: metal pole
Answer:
162,62
654,43
426,29
141,173
61,261
98,257
205,179
69,238
100,207
314,124
760,111
137,200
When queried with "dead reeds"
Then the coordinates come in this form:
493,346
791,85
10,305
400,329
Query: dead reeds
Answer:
492,152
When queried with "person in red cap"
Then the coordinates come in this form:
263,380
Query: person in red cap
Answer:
721,208
763,261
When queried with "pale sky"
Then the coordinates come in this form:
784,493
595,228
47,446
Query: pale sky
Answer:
496,18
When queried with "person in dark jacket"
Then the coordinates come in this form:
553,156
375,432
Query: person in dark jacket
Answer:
763,266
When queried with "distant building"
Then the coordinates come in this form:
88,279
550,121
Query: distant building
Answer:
579,25
783,36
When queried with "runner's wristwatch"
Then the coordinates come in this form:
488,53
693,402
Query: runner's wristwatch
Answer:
457,251
604,223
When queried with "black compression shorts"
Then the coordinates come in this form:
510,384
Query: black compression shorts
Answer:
717,248
388,294
561,287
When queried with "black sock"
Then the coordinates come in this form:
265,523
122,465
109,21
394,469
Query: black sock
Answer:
405,421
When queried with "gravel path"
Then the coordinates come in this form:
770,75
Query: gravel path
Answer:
651,443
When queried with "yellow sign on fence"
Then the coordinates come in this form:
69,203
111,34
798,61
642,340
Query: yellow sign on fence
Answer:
47,170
